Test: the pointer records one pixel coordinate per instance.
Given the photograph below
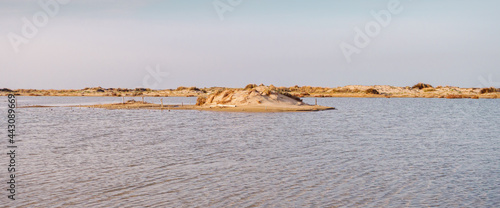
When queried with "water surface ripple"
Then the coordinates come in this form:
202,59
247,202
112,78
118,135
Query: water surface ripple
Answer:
368,153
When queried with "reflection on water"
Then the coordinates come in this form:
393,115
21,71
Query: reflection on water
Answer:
368,153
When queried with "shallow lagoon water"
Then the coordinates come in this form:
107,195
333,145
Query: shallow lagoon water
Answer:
370,152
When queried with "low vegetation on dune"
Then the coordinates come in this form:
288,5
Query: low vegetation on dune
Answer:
489,90
421,86
294,92
250,86
372,91
5,90
201,100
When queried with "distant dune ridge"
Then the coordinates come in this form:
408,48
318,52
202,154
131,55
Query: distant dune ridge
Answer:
419,90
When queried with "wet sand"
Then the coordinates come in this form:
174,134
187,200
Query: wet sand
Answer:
152,106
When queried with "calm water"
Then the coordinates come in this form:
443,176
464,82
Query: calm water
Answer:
368,153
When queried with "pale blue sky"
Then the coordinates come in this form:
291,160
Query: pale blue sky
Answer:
111,43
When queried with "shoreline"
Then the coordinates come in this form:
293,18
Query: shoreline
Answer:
152,106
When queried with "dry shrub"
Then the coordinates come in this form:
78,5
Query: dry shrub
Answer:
142,89
201,100
488,90
283,89
267,92
429,89
303,94
6,90
194,89
372,91
294,88
291,96
250,86
306,89
181,88
421,86
122,90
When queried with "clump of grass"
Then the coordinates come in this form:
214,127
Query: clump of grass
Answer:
201,100
488,90
429,89
372,91
421,86
250,86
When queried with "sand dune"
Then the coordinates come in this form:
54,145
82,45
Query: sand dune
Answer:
260,98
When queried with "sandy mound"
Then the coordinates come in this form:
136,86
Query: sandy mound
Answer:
261,95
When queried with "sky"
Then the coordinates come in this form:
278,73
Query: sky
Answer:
159,44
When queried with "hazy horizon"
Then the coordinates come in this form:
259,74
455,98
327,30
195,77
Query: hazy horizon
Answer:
166,44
